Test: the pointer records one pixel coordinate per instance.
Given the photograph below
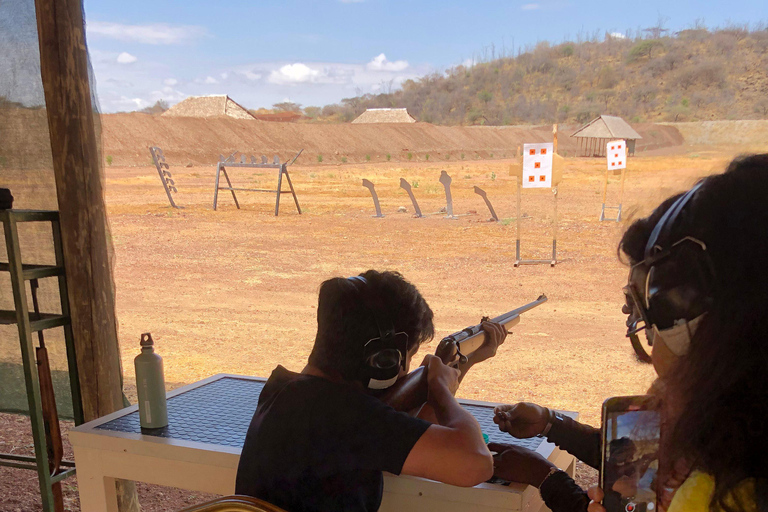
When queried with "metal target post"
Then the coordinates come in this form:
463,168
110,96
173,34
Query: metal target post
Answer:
542,148
617,153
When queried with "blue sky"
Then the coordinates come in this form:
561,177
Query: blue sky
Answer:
318,52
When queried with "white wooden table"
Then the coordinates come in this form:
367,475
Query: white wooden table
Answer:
200,450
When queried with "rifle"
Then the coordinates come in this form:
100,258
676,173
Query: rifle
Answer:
53,440
410,392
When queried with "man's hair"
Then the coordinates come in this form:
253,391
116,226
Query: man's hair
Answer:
721,384
345,321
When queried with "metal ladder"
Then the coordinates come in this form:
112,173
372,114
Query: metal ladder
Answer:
29,323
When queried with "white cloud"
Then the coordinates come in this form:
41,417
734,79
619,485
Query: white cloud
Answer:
252,84
380,63
530,7
618,35
154,33
126,58
132,102
210,80
294,74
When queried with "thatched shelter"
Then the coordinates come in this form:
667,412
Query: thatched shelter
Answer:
209,106
593,136
385,115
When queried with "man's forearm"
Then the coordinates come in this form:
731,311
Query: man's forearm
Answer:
449,413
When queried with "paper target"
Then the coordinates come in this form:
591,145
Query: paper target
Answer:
616,154
537,165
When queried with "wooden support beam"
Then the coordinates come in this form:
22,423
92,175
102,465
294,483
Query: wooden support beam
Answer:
85,238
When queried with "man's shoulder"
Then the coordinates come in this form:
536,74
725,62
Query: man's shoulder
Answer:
288,387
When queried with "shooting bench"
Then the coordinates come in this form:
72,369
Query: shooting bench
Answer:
200,450
250,162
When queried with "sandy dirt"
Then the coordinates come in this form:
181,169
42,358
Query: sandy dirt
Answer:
235,290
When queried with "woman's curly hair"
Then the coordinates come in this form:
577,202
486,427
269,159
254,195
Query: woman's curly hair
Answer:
721,385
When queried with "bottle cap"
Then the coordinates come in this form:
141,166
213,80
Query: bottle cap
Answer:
146,340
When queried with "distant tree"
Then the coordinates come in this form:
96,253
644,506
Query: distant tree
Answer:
313,112
658,30
159,107
287,106
643,49
607,79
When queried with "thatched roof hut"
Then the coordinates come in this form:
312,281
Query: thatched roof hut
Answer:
385,115
209,106
593,136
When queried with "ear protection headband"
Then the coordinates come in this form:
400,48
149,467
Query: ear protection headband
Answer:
383,357
671,287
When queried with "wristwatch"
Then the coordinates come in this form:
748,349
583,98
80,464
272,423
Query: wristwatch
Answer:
554,416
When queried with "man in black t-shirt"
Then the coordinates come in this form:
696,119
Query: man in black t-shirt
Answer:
319,440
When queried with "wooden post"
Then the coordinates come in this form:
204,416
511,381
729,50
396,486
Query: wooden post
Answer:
554,192
79,189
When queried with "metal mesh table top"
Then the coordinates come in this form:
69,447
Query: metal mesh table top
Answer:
220,412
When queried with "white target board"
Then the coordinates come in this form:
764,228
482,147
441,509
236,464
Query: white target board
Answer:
616,152
537,165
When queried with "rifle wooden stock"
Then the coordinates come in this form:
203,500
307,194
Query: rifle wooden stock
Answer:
53,443
411,391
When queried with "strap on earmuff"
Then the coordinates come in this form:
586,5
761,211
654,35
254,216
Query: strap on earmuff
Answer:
667,221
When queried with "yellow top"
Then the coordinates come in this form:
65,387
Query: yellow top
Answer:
696,492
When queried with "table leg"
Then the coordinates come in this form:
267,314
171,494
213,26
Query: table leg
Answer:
97,491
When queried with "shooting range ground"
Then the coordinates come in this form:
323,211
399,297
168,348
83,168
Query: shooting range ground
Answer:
236,290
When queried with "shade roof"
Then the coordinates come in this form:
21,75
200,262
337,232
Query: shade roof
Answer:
607,127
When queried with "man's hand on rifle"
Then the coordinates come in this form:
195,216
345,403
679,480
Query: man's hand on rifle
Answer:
495,334
440,377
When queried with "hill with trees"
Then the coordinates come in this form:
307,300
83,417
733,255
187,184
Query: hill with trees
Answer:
695,74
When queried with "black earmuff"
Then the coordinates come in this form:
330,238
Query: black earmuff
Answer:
674,281
385,356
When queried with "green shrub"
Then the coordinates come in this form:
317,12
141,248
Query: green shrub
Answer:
415,183
410,155
109,159
426,156
493,176
319,159
462,156
343,159
367,158
389,157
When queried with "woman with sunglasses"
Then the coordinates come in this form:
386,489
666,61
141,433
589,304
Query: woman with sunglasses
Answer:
698,286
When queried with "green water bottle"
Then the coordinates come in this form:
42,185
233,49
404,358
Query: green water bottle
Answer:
150,385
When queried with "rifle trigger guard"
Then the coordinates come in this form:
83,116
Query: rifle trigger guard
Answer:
462,358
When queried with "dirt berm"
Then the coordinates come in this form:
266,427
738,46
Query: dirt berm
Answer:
202,140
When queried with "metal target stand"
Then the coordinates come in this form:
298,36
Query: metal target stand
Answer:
518,259
252,164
